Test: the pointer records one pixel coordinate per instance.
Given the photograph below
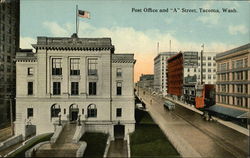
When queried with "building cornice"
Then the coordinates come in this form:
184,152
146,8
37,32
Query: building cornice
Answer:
76,44
72,47
233,52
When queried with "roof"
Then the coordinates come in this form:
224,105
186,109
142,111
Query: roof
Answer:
123,58
170,54
73,43
229,111
175,57
241,48
144,77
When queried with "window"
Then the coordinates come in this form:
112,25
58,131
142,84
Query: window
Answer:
118,88
239,63
188,70
74,88
74,66
30,88
239,75
29,112
92,67
64,111
204,76
208,58
239,88
118,72
118,112
209,70
56,66
92,88
56,88
30,71
246,88
8,59
55,110
245,62
209,64
8,68
239,101
223,66
209,76
92,111
194,69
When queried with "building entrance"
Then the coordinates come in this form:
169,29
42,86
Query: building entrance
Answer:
73,112
119,131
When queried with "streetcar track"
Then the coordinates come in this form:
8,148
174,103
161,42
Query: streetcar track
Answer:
219,141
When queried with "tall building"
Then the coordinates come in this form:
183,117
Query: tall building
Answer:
233,78
184,71
175,75
190,74
146,81
209,67
9,44
70,79
160,71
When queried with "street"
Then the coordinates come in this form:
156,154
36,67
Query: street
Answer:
209,139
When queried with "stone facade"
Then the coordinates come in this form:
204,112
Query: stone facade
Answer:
72,79
233,77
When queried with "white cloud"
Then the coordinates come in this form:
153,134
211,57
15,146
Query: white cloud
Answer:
142,44
25,42
210,19
236,29
57,30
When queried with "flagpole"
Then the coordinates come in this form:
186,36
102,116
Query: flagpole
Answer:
76,19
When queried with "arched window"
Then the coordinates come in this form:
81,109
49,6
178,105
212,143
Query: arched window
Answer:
92,111
55,110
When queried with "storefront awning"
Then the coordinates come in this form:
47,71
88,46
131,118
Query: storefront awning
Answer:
236,113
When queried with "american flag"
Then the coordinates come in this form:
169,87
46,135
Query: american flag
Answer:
83,14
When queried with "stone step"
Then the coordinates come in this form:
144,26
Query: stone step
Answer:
67,134
55,153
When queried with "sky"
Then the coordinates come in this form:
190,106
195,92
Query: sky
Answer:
139,32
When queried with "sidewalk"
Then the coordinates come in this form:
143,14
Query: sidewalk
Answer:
225,123
118,148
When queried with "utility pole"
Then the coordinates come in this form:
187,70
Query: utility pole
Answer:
202,63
